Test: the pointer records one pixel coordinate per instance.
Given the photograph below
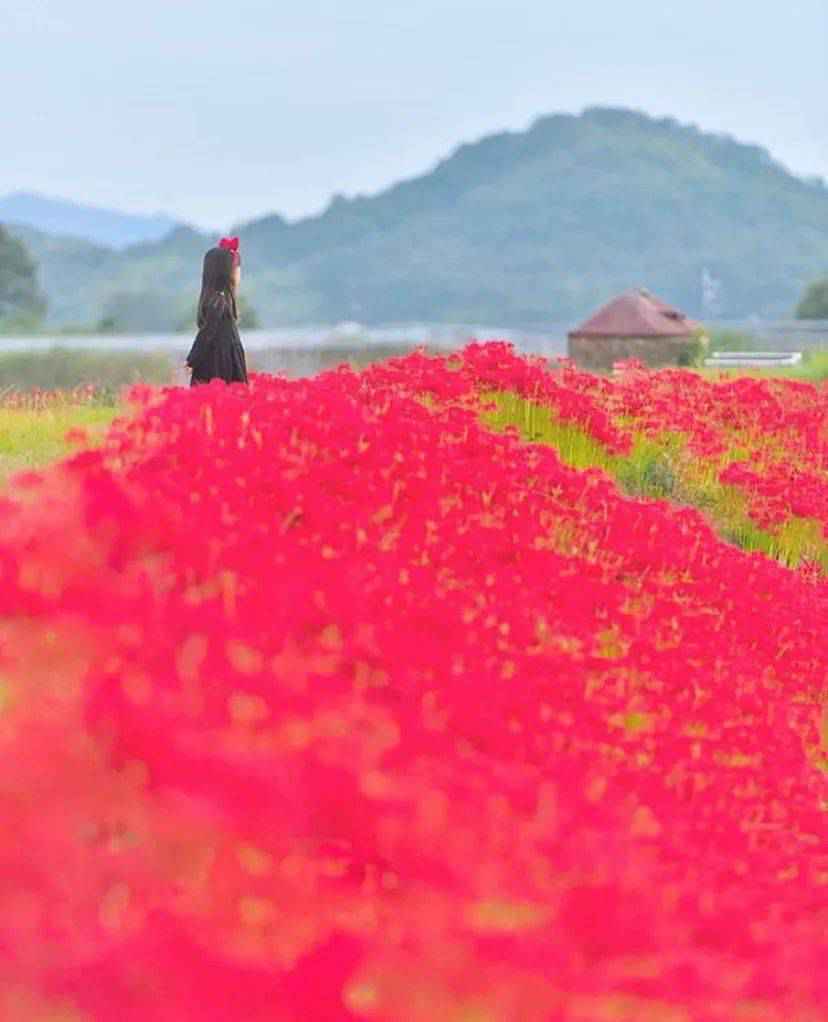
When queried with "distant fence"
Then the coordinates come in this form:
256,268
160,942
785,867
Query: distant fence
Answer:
766,335
548,339
784,335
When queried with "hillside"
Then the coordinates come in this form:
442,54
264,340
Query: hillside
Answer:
100,226
517,229
153,283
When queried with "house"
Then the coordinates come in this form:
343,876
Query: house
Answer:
635,325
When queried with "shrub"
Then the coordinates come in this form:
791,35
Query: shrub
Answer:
67,368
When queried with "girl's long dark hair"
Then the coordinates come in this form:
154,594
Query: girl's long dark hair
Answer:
216,285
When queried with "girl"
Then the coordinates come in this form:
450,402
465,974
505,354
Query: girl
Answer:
217,351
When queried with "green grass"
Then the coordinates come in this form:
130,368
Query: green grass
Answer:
537,423
32,439
662,469
812,369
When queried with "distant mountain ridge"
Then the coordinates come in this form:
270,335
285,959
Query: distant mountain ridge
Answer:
519,229
89,223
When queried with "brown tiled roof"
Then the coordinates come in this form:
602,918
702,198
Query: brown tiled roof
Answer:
637,314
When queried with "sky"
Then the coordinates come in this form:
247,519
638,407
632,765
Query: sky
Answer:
219,112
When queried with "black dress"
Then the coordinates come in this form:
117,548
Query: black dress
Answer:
217,351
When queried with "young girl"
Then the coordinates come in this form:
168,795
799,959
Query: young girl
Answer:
217,351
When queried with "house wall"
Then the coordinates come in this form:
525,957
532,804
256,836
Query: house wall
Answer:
599,353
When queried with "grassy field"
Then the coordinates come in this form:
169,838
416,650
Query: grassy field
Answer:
45,394
812,369
30,438
425,725
67,368
662,468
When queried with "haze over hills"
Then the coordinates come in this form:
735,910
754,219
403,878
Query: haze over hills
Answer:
101,226
518,229
148,287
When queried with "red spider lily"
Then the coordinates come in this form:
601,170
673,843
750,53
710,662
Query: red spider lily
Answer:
37,399
323,701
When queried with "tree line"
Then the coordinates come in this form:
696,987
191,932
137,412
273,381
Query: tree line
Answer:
23,304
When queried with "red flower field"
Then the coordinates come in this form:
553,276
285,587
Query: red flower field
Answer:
335,700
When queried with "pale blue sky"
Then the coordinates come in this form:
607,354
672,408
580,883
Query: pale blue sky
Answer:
220,111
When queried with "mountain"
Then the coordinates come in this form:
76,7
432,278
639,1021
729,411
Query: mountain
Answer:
518,229
101,226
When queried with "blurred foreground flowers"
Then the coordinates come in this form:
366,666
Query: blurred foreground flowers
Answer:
325,700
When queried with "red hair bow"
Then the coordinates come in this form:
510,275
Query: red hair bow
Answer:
231,245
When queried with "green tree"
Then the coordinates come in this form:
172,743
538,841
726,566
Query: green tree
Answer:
814,303
248,317
136,312
22,304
